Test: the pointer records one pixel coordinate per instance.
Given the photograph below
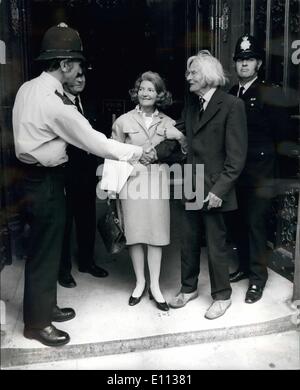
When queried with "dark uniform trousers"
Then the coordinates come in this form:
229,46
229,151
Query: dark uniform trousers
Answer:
251,234
81,207
267,121
44,208
218,263
80,186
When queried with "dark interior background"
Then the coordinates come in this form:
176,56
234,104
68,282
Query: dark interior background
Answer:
121,39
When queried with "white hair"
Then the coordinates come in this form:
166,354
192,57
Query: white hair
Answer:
210,68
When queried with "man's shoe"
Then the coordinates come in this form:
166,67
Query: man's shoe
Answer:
181,299
254,293
237,276
217,309
94,270
67,281
61,315
50,336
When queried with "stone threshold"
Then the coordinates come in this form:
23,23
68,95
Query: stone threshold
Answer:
11,357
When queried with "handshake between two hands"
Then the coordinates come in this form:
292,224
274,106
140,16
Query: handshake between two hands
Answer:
149,154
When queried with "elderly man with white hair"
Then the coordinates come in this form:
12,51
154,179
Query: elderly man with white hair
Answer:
215,126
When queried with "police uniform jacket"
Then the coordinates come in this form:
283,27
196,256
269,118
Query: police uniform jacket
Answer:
266,122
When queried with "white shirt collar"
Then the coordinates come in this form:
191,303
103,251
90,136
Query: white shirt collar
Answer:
52,82
138,109
207,96
247,85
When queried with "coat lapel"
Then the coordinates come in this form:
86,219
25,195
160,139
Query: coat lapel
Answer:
139,119
234,90
156,120
153,129
212,108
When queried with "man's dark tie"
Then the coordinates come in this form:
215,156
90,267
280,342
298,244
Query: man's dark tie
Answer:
241,91
77,104
201,106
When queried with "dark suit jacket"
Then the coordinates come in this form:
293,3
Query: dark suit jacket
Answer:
82,163
219,141
267,122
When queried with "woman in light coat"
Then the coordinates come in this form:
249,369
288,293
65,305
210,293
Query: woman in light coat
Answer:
145,198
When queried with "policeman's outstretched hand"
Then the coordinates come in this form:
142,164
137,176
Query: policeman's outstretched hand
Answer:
148,156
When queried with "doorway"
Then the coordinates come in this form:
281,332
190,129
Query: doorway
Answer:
121,39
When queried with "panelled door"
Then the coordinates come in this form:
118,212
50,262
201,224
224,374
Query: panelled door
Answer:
276,25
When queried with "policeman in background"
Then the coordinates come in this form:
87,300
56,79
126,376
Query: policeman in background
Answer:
266,122
80,198
43,125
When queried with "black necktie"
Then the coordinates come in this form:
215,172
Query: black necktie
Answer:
241,91
201,106
78,105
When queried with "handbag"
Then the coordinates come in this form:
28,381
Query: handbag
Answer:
111,230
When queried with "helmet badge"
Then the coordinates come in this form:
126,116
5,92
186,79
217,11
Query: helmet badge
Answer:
245,44
62,24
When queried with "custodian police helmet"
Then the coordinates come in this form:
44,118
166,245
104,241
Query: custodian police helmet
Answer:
61,41
247,47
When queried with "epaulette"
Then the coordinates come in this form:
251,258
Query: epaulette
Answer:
276,85
64,98
272,85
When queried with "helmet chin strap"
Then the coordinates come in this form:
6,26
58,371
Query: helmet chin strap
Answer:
259,63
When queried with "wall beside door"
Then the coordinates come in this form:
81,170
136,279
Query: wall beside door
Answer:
11,77
228,24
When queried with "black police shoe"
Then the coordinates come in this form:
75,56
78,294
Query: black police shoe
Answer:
61,315
67,281
50,336
253,294
94,270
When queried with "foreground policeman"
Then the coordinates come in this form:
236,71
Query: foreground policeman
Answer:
267,122
43,125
